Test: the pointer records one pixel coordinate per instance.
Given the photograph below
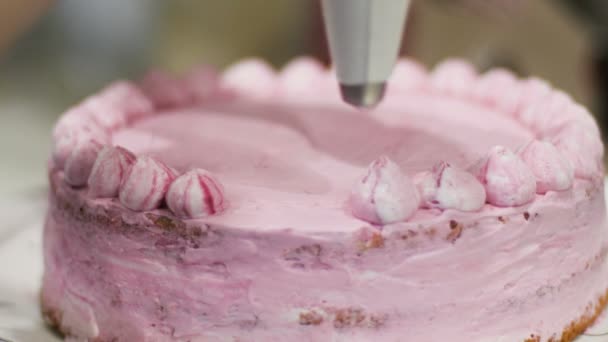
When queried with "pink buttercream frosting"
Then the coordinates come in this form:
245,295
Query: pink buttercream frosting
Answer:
291,258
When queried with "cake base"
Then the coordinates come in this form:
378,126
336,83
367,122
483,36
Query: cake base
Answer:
52,317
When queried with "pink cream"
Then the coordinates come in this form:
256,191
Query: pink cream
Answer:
287,261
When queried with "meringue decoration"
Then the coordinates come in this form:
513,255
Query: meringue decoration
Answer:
117,104
507,179
202,82
499,88
67,137
305,80
74,127
110,167
407,74
196,194
166,90
301,76
79,164
549,114
582,148
252,78
532,89
104,114
384,195
582,116
145,184
553,172
449,187
453,77
76,119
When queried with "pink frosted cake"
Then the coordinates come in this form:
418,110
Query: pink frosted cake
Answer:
255,206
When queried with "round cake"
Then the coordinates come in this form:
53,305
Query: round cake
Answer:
254,206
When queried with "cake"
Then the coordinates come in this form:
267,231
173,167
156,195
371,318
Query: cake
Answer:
252,205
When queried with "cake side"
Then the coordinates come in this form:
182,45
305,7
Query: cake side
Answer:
114,252
115,276
575,329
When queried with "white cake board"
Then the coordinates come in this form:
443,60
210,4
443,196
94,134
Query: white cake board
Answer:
21,271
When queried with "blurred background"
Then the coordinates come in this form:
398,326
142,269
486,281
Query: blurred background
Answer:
52,53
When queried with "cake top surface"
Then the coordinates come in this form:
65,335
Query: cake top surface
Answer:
285,153
292,166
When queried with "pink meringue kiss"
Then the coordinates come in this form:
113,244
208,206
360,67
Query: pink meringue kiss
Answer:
202,82
553,172
301,77
499,88
532,89
449,187
110,167
79,164
196,194
582,148
507,179
145,184
124,97
116,105
407,74
453,77
549,114
384,195
166,90
581,115
71,132
76,119
253,78
103,114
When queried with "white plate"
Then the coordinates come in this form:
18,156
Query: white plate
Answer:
21,271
